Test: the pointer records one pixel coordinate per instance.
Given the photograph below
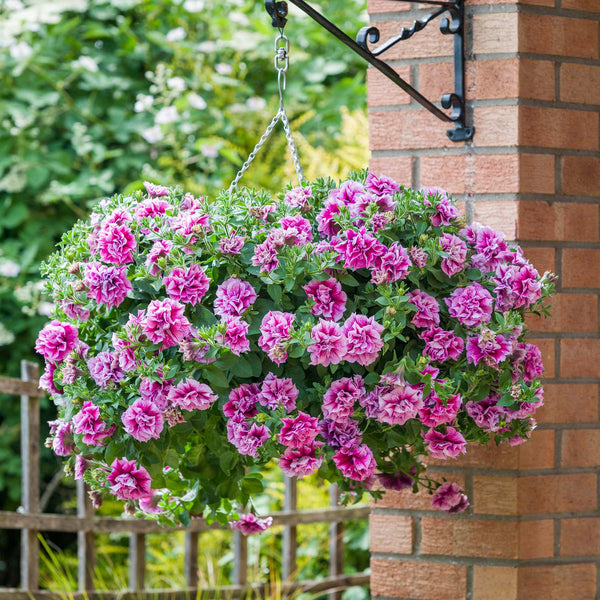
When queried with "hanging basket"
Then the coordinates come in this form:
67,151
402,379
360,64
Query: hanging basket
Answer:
350,329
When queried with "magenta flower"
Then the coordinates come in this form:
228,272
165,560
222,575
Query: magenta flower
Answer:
47,380
457,254
360,249
242,401
166,323
297,230
143,420
472,306
152,207
159,252
339,399
235,339
428,309
232,244
445,445
248,524
397,481
56,341
488,347
392,266
486,413
104,368
355,461
265,256
436,411
340,433
88,423
329,298
298,197
275,329
441,345
491,249
533,367
419,256
400,404
298,431
80,468
106,285
446,211
248,440
154,189
327,226
275,392
382,186
62,440
298,462
116,244
363,339
75,311
127,482
187,285
329,347
450,498
156,392
234,297
192,395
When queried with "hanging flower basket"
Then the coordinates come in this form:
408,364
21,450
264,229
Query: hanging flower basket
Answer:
351,329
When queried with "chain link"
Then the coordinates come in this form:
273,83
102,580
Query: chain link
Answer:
282,62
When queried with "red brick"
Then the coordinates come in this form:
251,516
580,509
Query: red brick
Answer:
581,175
557,582
491,457
536,172
580,357
587,5
538,452
536,79
495,495
560,221
486,79
580,83
543,259
397,167
391,533
498,214
547,346
406,129
579,537
493,583
381,6
536,539
497,174
447,172
580,268
496,126
569,403
495,33
418,580
462,537
560,36
558,128
436,79
580,447
382,91
545,494
570,312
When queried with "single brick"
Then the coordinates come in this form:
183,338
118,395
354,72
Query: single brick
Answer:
570,312
579,357
559,36
382,91
569,403
536,79
462,537
396,167
580,447
538,452
579,537
536,172
495,495
560,221
497,174
447,172
587,5
496,126
546,494
495,33
580,268
418,580
436,79
558,128
543,259
536,539
391,533
581,175
493,583
494,78
557,582
580,83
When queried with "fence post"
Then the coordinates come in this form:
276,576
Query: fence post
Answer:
240,558
289,542
30,486
137,561
190,565
86,554
336,543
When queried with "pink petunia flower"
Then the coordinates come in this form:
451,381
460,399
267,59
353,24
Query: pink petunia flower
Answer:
445,445
127,482
234,297
88,423
360,249
248,440
486,413
242,401
116,244
446,211
165,323
159,251
436,411
56,341
392,266
298,197
105,368
143,420
355,461
488,347
340,433
105,284
154,189
156,392
275,330
457,254
472,306
401,403
152,207
298,462
75,311
275,392
235,339
441,345
298,431
297,230
533,367
339,399
62,440
428,309
187,285
329,347
419,256
450,498
265,256
363,339
248,524
232,244
190,394
328,297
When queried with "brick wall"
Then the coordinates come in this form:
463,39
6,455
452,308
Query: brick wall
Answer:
532,171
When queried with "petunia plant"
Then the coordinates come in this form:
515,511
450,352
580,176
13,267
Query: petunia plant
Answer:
350,329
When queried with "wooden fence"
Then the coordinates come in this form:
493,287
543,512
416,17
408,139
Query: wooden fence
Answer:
30,520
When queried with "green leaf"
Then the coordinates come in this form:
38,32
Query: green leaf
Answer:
473,274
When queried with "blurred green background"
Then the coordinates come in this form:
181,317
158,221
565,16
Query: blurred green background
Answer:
97,96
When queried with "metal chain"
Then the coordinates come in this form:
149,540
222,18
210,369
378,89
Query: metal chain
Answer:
281,61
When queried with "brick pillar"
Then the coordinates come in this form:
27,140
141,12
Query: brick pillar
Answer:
532,171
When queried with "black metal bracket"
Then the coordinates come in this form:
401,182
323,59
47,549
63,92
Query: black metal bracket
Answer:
453,24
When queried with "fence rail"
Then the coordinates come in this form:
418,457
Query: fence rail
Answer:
31,520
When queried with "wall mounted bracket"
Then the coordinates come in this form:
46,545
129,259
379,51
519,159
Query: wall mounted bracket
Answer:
453,24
